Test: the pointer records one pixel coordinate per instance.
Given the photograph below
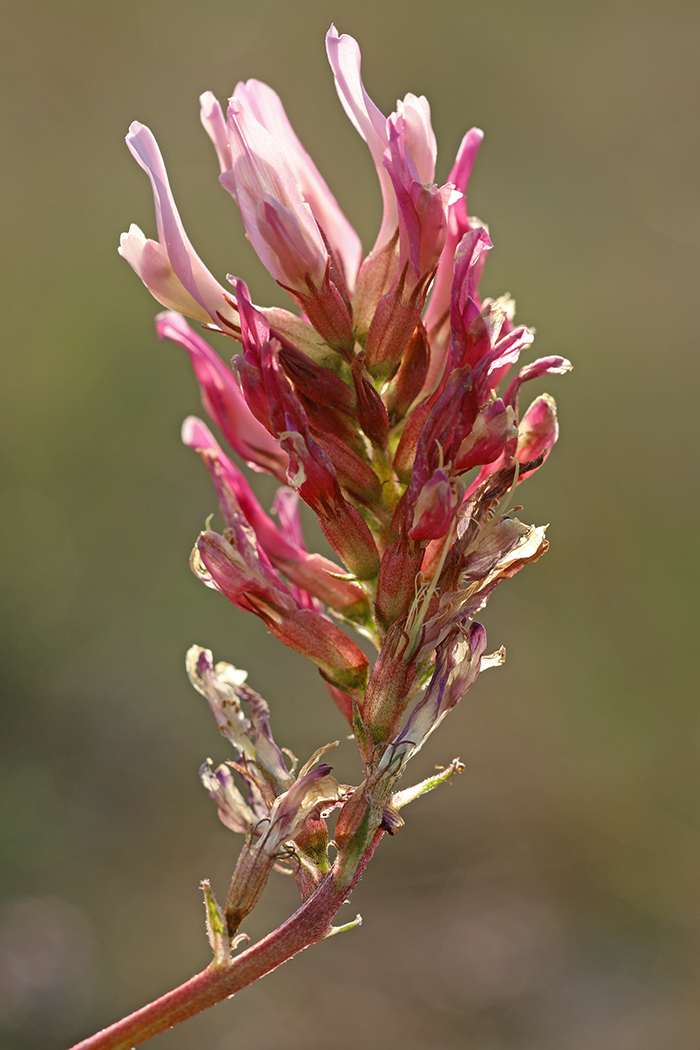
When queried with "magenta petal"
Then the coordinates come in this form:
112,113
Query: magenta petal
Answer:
538,430
543,366
227,479
214,123
422,211
504,354
434,508
493,433
223,400
457,225
465,304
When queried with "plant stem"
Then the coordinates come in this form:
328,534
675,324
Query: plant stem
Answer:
310,923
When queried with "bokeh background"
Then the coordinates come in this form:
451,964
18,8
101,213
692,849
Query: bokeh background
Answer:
548,897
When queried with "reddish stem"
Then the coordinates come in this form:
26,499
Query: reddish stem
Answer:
310,923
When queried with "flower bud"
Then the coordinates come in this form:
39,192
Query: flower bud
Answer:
371,411
389,687
408,381
394,321
396,586
354,474
435,507
254,588
538,430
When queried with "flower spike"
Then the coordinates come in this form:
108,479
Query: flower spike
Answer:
387,401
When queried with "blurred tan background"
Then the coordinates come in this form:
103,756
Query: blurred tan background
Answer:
548,898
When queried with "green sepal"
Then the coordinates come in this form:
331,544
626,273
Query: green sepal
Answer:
216,927
365,744
402,798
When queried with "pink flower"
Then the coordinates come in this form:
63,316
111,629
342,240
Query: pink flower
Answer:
341,239
389,403
312,578
344,57
278,221
422,224
224,401
234,567
169,267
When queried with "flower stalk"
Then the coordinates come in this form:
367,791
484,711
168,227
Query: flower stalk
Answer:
312,922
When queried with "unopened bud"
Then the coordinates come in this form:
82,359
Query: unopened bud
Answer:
392,326
405,455
435,507
538,429
371,411
354,474
396,587
389,687
408,381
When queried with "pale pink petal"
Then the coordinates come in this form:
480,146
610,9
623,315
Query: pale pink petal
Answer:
412,120
196,434
278,221
234,811
214,123
186,265
345,61
265,106
150,262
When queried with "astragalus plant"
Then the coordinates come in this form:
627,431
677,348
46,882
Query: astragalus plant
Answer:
386,400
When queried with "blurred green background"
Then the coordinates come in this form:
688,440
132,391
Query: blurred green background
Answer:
545,900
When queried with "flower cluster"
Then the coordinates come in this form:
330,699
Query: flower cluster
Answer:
377,403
